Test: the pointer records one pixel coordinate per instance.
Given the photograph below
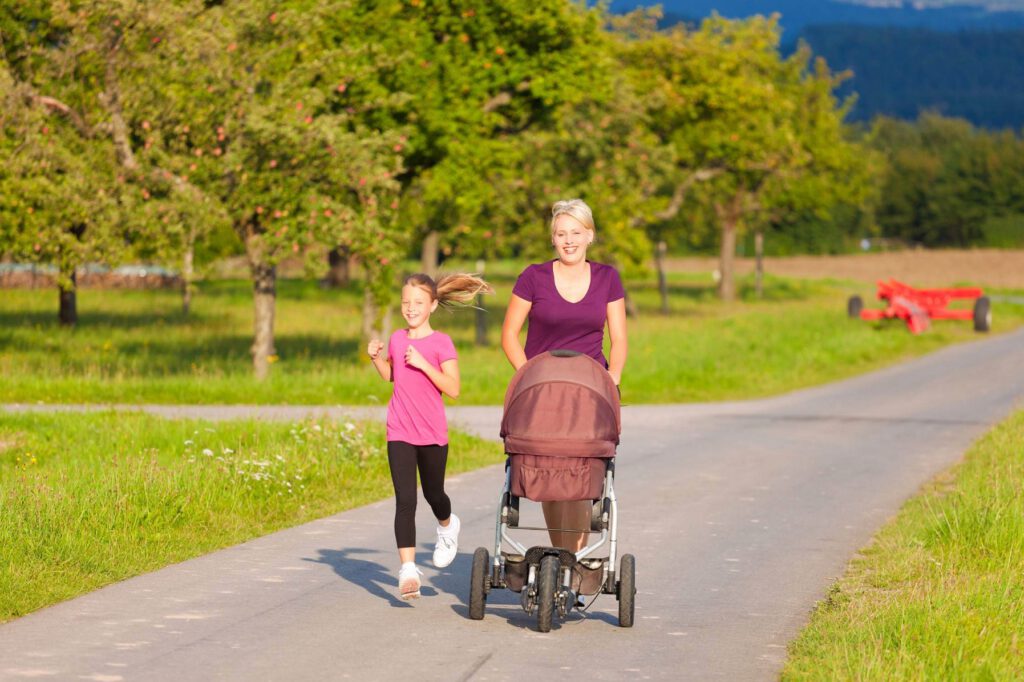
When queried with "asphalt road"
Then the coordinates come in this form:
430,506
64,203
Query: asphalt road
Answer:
740,515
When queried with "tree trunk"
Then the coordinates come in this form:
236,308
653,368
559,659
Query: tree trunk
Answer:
480,312
264,286
659,261
339,273
428,257
68,314
728,216
375,325
187,274
759,260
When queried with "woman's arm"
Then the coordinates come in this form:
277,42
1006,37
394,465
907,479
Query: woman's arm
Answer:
617,334
446,379
515,317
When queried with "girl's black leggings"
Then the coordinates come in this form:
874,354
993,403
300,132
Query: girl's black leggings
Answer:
404,459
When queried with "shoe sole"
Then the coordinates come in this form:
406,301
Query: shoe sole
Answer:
408,595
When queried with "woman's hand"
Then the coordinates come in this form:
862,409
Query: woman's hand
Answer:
414,358
374,348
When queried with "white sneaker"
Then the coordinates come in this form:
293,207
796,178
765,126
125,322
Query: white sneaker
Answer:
409,581
447,543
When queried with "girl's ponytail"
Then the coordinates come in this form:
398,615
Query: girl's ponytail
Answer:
452,290
460,288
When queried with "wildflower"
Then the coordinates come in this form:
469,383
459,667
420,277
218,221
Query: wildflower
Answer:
208,452
189,443
228,451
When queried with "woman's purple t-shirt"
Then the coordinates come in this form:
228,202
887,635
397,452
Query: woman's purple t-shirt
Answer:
557,324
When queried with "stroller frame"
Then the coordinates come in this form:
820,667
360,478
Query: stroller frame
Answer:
546,576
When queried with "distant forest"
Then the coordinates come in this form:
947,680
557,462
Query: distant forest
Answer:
901,71
976,75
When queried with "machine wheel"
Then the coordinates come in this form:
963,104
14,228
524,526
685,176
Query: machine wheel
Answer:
627,590
478,583
547,582
854,305
982,314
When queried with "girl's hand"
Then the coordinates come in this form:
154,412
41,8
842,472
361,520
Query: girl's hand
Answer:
374,348
414,358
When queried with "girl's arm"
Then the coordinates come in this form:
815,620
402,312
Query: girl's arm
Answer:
446,379
617,334
515,317
375,349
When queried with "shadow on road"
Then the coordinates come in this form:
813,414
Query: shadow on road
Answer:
373,577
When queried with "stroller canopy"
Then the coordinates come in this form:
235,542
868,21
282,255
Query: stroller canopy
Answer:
561,404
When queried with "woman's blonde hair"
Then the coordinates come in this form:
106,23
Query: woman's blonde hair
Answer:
459,288
577,208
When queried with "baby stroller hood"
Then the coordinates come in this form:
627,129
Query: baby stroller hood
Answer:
561,404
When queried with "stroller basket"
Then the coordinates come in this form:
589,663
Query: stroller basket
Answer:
561,422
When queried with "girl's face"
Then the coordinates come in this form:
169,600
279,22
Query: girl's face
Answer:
416,305
570,239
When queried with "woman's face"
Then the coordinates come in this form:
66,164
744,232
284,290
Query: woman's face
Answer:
570,239
416,305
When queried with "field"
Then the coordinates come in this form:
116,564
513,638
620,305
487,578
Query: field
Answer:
939,594
1002,269
135,346
90,499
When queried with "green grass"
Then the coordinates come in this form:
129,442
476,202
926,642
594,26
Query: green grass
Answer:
90,499
134,346
939,595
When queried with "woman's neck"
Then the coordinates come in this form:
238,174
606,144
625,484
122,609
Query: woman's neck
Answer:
575,269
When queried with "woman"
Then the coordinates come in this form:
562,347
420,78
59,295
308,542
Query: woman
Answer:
568,301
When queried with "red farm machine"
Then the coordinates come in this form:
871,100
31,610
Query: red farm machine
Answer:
918,307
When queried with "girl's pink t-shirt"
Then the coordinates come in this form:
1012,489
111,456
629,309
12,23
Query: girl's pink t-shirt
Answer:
416,411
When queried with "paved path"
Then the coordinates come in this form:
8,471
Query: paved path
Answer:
740,515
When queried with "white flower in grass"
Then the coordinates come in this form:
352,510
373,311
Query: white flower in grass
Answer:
228,451
208,452
316,427
189,443
279,458
349,426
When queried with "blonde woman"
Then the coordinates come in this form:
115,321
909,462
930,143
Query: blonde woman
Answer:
569,301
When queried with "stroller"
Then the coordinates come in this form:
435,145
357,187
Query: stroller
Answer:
561,425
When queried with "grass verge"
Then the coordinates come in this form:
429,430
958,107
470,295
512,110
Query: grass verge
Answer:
90,499
134,346
939,595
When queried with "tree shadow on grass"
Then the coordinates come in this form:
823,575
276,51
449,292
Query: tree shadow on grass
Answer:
105,319
162,356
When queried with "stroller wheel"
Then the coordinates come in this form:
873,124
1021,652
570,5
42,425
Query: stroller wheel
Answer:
627,590
478,584
547,581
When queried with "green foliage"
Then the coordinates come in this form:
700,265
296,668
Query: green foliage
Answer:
946,179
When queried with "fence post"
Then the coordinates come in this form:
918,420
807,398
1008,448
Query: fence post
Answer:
481,313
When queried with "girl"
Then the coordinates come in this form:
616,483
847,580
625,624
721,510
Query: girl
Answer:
423,364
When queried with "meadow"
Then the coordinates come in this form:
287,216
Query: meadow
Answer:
90,499
135,346
939,594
